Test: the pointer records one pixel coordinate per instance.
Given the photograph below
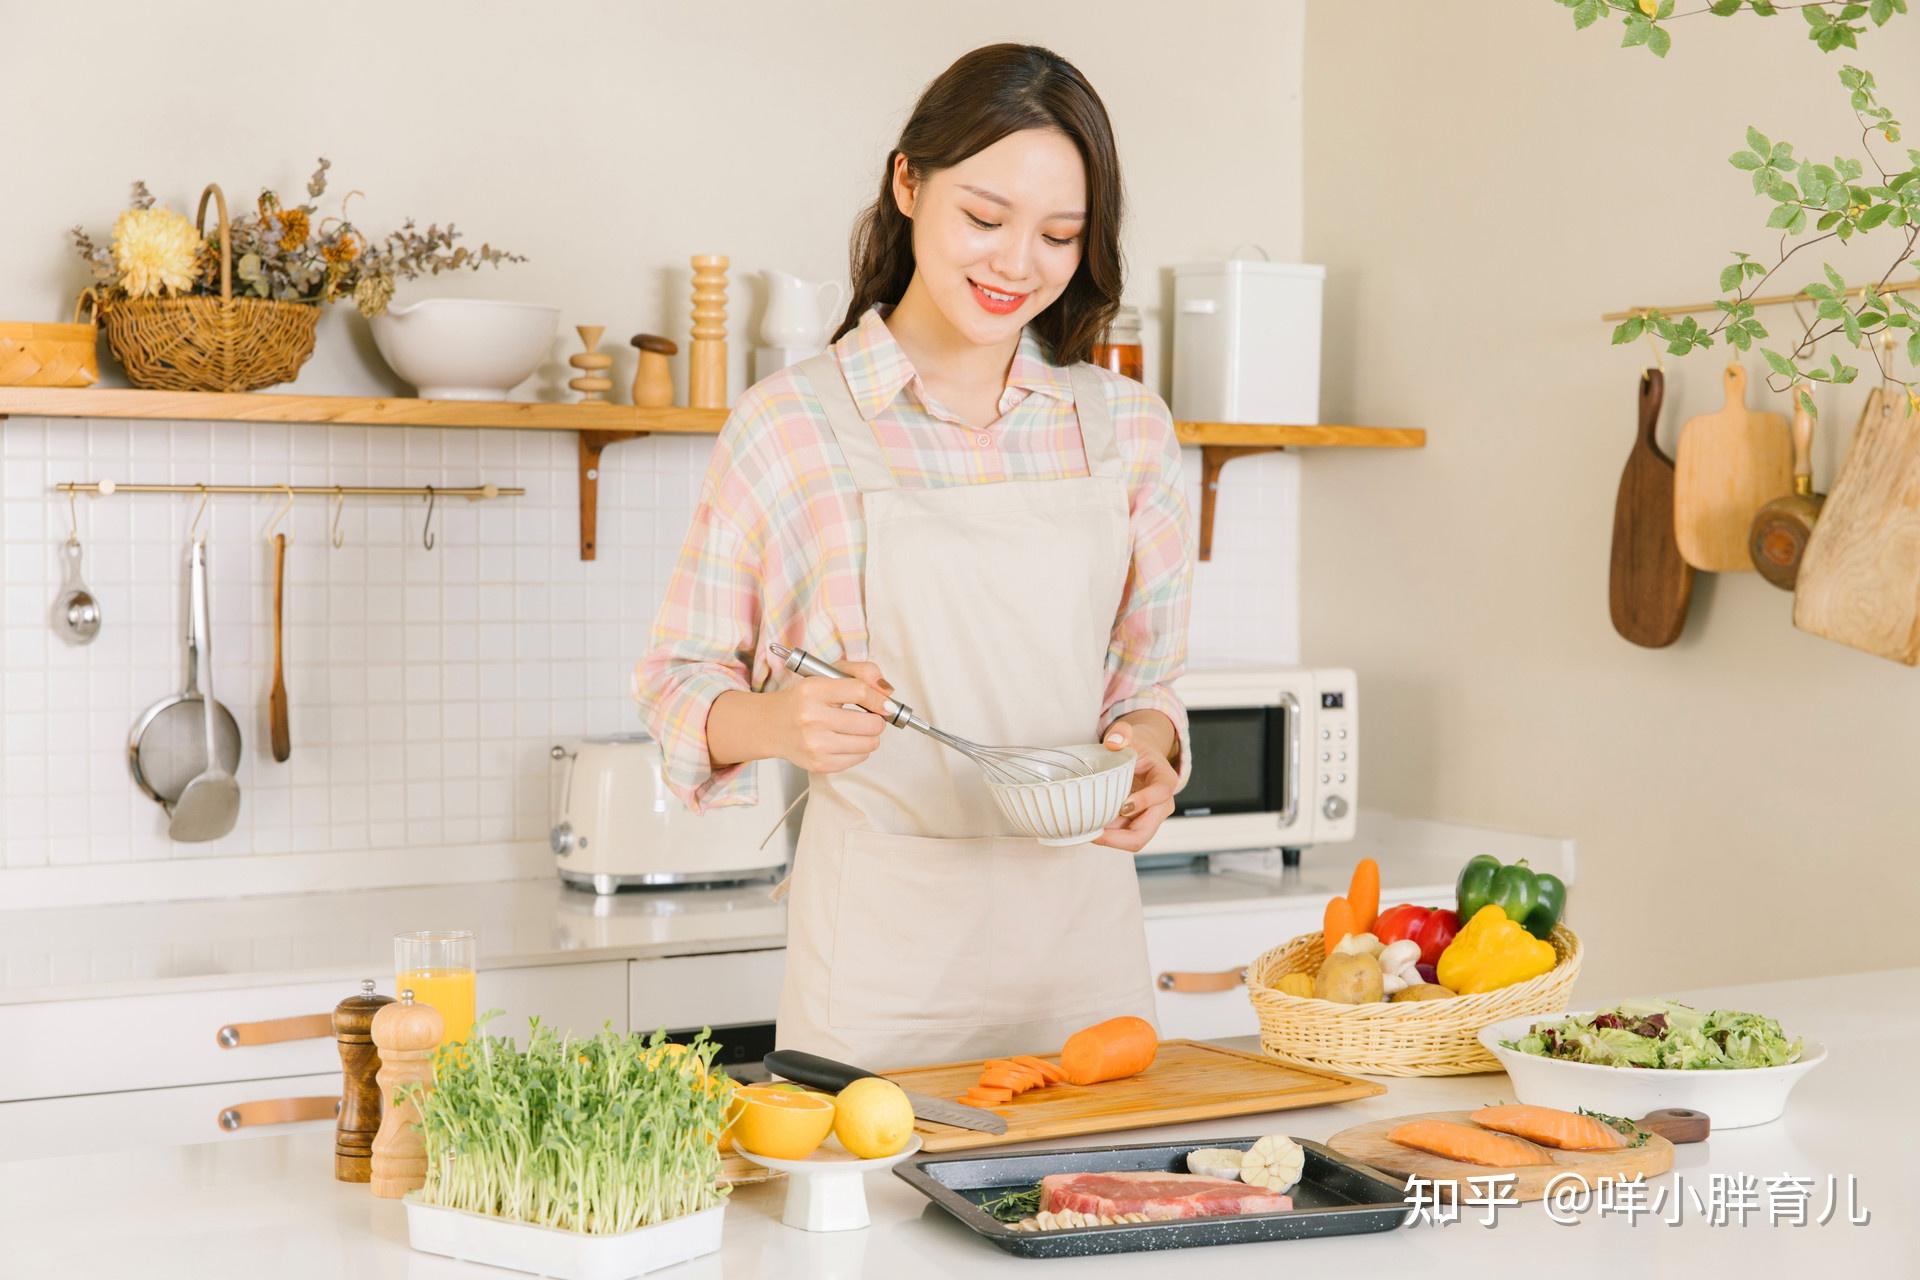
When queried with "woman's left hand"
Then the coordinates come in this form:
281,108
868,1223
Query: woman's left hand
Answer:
1152,796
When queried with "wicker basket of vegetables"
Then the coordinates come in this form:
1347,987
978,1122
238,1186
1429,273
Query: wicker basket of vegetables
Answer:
1411,998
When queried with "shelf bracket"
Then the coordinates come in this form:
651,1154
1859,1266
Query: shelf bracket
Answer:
1213,458
591,443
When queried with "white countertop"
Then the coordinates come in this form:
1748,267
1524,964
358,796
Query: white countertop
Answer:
62,953
269,1207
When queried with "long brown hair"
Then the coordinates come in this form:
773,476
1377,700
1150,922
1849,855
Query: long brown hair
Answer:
980,99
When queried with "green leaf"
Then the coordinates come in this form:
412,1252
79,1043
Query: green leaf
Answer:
1585,13
1659,42
1730,278
1882,11
1875,216
1818,375
1745,160
1834,278
1779,363
1638,29
1758,141
1806,401
1913,349
1851,326
1628,330
1763,8
1781,215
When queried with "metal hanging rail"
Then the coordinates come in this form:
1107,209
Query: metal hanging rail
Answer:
474,493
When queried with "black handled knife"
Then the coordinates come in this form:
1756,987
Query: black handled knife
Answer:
825,1073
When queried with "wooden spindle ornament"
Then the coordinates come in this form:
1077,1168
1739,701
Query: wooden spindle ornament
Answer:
707,358
593,382
652,379
406,1034
359,1118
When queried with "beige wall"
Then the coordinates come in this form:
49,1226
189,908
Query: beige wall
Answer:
1744,801
608,141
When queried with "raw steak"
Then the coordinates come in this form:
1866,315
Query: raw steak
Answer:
1158,1195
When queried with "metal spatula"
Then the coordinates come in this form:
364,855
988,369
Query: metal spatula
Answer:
210,805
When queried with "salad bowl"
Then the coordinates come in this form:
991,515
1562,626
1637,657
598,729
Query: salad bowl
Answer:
1731,1097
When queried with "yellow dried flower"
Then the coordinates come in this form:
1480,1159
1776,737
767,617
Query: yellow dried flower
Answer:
293,229
156,251
343,250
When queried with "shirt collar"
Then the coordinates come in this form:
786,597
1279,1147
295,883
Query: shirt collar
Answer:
877,368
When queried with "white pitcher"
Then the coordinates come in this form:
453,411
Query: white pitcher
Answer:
799,312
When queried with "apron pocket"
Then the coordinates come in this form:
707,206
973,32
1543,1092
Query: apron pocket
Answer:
913,932
1068,938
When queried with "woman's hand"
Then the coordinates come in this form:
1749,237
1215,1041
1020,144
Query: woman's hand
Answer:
1152,794
815,723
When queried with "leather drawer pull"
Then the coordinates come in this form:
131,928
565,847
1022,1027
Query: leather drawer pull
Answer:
308,1026
1190,983
246,1115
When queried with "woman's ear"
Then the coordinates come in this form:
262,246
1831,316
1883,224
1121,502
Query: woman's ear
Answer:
906,188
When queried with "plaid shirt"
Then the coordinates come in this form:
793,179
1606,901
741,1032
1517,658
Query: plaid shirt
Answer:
777,550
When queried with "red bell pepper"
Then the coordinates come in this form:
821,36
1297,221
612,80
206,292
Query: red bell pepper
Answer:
1432,927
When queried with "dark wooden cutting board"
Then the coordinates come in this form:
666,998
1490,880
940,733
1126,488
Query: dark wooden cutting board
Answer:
1648,585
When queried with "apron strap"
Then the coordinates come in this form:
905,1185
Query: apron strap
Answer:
853,433
1096,424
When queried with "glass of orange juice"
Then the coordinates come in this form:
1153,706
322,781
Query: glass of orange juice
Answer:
437,966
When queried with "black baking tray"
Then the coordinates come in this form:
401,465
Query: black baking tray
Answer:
1336,1197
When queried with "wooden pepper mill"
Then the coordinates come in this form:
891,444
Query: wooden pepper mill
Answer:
652,379
593,382
707,357
406,1034
359,1095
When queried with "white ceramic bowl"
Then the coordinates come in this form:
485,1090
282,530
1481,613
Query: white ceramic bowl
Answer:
465,348
1071,810
1730,1099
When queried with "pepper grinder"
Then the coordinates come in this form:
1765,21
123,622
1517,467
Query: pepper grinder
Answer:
359,1095
406,1034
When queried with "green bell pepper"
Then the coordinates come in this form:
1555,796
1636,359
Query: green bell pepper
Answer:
1534,899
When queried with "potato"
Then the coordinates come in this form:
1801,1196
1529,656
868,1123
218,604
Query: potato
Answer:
1349,979
1296,984
1422,991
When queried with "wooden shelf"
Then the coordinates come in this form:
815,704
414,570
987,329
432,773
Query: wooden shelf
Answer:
600,425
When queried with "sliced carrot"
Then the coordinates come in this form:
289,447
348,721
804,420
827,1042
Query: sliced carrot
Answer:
1551,1127
1004,1078
1363,894
1467,1143
1110,1050
991,1093
1048,1071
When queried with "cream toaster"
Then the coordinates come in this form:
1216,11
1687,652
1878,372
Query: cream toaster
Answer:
618,826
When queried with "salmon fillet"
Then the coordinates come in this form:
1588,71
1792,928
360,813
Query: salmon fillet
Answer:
1465,1142
1551,1127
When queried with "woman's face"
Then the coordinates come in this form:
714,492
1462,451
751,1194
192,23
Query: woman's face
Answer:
997,237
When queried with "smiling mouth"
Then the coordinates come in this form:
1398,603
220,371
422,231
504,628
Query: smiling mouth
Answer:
997,301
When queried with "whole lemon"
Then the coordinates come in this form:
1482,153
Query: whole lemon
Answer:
872,1118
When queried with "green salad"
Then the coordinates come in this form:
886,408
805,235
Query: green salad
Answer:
1663,1035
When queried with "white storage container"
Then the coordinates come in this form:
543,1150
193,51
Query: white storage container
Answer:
1246,341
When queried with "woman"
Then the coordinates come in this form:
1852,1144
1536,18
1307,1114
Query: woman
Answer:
952,502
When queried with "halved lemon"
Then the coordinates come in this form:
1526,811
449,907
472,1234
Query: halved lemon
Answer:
784,1125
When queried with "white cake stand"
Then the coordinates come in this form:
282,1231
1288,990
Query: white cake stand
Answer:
827,1191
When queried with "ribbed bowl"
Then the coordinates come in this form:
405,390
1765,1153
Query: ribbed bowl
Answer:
1071,810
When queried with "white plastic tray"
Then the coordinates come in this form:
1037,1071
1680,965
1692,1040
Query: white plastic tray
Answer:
564,1255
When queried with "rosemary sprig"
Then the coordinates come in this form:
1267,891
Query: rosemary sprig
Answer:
1621,1124
1014,1205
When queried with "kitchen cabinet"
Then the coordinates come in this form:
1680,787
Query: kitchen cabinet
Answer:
727,989
99,1122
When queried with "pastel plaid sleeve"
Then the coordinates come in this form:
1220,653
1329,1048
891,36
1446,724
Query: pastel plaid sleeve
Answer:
703,641
1149,646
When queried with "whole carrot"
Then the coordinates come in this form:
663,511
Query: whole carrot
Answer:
1364,894
1338,922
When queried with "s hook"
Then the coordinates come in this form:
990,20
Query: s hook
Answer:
426,530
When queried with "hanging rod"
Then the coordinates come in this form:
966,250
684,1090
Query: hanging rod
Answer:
1771,300
478,493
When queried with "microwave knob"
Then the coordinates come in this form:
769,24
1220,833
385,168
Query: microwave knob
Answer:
561,838
1335,807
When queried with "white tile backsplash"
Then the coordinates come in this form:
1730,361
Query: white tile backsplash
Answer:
425,687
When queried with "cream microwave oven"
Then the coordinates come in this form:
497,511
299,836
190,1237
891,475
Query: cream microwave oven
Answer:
1276,761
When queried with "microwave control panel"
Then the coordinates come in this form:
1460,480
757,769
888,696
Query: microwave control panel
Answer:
1333,754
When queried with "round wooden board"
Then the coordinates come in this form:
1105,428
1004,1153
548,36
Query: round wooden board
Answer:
1368,1143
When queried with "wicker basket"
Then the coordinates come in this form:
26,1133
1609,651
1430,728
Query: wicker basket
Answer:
1418,1038
211,344
52,355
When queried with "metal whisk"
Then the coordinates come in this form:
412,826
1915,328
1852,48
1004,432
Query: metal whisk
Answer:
1008,766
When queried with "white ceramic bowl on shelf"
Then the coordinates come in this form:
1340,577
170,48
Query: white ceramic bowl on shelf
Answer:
1731,1099
465,348
1069,810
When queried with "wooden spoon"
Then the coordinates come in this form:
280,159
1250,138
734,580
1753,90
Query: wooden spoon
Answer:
277,700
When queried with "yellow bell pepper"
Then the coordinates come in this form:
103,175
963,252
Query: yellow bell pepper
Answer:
1492,952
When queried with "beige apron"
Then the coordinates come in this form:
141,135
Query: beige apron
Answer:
919,929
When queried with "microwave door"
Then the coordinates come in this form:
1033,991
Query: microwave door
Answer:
1245,760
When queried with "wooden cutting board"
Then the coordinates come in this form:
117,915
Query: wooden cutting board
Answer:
1187,1081
1860,576
1648,584
1368,1144
736,1170
1732,463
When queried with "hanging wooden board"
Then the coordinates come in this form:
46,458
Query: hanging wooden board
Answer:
1731,463
1648,584
1369,1144
1860,577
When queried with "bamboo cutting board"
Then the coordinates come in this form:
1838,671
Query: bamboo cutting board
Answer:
1187,1081
1860,577
1368,1143
1732,463
1648,584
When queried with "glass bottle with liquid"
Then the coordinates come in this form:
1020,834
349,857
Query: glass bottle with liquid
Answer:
1119,347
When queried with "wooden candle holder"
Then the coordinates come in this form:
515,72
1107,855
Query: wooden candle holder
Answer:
593,383
652,379
406,1034
707,357
359,1118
